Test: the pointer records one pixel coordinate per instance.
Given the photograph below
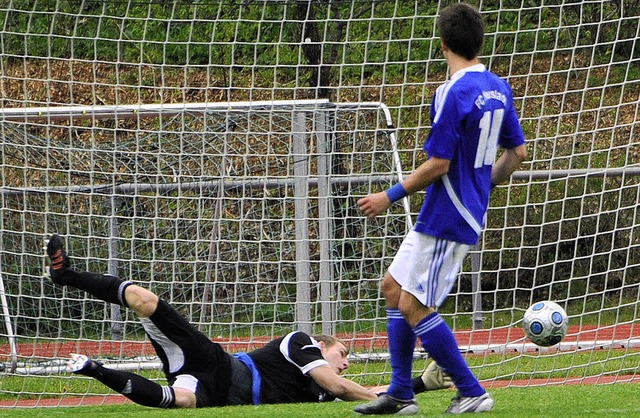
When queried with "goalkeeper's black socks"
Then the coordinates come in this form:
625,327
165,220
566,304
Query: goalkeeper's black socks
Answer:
137,388
103,286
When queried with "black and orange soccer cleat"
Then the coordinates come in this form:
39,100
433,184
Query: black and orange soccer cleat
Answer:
59,258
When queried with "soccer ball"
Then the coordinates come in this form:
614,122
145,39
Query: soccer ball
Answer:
545,323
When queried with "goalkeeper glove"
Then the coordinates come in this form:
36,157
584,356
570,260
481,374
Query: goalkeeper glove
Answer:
433,378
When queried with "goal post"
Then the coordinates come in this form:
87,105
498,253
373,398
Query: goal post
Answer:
215,151
285,193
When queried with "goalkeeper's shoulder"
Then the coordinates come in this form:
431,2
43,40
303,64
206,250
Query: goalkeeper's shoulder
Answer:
433,378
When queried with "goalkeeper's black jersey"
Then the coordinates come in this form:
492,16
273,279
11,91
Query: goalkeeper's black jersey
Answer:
284,364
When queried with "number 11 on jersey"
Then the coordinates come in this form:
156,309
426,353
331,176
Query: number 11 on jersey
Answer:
490,125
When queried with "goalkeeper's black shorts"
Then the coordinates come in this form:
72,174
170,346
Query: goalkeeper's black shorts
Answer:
190,359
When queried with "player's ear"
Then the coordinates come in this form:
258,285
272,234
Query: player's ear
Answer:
323,346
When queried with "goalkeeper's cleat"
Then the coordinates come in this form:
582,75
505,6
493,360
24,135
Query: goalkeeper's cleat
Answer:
388,405
463,404
79,363
435,378
59,259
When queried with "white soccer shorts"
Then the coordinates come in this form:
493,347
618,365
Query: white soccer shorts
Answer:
427,267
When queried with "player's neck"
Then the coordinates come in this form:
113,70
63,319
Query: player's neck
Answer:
457,63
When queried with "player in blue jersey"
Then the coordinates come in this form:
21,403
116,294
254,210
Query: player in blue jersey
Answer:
472,116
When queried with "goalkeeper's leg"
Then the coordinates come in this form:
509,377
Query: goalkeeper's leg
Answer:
137,388
433,378
103,286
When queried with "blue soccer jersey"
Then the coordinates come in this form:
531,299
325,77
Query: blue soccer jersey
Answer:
472,114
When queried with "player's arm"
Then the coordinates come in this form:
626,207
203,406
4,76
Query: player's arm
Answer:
515,150
433,378
338,386
507,163
426,173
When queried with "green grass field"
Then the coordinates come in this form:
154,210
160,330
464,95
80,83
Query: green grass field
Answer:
619,400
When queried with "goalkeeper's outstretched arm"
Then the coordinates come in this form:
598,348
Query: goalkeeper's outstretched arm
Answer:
433,378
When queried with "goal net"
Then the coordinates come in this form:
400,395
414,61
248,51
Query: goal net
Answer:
215,151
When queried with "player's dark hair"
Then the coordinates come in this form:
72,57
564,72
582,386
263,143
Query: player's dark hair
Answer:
462,30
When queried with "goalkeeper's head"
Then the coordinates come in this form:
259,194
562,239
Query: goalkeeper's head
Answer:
462,30
334,351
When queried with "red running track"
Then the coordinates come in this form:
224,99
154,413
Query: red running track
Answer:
625,336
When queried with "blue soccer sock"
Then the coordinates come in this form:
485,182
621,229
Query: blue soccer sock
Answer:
438,340
402,343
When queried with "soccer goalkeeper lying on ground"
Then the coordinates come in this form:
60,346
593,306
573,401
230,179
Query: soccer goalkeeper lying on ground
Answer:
294,368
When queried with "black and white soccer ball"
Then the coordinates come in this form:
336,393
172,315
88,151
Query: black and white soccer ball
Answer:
545,323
